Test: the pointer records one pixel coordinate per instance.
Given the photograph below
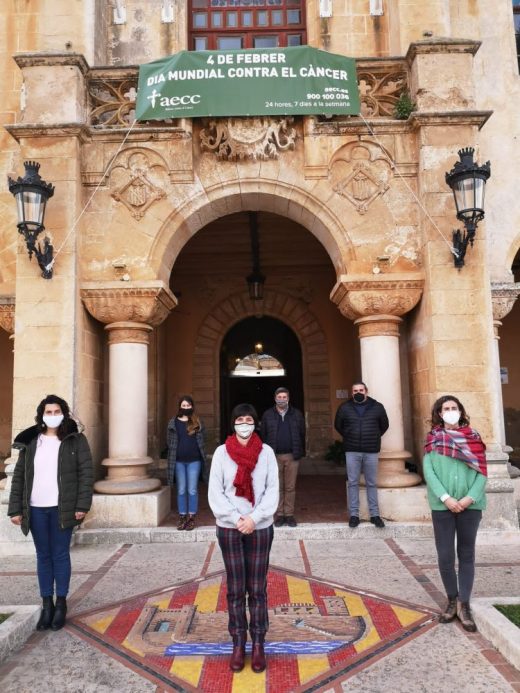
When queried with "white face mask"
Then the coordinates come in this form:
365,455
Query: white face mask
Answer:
244,430
53,421
451,417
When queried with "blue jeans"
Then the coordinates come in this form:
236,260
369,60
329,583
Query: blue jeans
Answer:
365,462
52,551
187,479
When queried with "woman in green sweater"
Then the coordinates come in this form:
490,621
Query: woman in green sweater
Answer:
455,471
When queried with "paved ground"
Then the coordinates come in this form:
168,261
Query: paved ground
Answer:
375,577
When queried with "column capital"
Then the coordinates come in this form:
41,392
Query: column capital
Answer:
377,325
145,302
386,295
503,297
7,306
128,332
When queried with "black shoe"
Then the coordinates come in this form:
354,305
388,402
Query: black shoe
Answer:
465,617
280,521
47,614
377,521
290,521
60,612
450,611
354,521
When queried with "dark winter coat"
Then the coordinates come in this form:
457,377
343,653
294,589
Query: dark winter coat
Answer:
269,429
361,433
172,442
75,477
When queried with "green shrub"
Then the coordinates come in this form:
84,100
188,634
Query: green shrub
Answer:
335,452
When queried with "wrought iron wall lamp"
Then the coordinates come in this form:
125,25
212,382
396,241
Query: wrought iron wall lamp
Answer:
31,194
468,182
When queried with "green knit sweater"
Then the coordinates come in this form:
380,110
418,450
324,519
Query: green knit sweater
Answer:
447,475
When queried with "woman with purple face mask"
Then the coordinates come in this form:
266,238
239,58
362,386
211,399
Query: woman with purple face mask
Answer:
51,493
243,495
455,471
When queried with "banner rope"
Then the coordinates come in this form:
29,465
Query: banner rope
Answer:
410,189
105,173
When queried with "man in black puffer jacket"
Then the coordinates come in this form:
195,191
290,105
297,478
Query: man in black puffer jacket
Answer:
283,428
361,421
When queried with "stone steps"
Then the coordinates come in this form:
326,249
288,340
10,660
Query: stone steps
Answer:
306,531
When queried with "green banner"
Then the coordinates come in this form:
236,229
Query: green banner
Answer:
271,81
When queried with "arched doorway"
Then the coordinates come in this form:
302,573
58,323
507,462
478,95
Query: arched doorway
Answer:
260,336
509,333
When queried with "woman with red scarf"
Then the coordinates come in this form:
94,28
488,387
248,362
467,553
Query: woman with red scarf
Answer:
243,495
455,471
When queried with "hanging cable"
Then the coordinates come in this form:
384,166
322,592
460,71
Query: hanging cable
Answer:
105,173
410,189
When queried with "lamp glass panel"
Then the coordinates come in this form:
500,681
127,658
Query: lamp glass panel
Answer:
480,187
33,207
19,207
463,192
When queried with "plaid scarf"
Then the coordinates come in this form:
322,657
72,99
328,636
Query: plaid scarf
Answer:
463,444
246,457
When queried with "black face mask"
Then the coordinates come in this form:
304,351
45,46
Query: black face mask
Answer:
185,412
359,397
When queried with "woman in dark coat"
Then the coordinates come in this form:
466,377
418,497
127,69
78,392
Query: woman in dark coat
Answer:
51,493
186,460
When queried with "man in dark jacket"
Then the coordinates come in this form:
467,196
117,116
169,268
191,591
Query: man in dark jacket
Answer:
361,421
283,428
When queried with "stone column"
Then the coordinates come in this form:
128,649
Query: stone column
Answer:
376,305
130,313
503,296
12,541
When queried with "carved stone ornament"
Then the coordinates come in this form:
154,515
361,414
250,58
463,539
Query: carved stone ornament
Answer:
360,172
7,306
503,298
142,302
237,139
357,298
137,180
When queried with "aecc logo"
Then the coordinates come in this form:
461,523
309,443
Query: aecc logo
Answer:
185,100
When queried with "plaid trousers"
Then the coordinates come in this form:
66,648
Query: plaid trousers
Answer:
246,558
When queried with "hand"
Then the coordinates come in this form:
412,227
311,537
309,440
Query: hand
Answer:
79,516
246,525
16,520
465,502
453,505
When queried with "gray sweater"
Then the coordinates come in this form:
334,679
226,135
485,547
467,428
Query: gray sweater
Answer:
227,507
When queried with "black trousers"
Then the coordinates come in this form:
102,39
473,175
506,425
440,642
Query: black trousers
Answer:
463,527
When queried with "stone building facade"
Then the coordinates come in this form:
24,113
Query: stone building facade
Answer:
150,224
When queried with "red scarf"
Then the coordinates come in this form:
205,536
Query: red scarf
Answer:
246,457
463,444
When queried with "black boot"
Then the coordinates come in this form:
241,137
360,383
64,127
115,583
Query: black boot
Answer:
60,611
47,613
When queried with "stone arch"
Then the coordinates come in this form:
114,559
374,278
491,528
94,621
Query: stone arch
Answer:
296,314
514,248
302,206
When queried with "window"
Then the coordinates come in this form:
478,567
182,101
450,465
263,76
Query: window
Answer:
231,24
516,17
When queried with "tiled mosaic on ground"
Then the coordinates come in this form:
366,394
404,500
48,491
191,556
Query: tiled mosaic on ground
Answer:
319,632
